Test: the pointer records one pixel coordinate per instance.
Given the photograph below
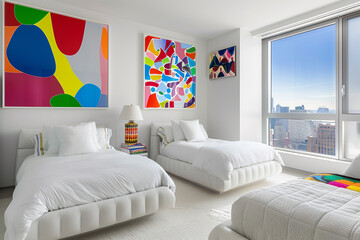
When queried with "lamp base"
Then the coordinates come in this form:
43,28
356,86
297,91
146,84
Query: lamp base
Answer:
131,133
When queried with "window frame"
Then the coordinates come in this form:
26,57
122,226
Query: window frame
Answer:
267,91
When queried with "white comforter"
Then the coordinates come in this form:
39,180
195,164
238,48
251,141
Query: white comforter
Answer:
299,209
219,157
49,183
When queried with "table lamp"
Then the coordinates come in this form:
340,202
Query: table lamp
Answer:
131,113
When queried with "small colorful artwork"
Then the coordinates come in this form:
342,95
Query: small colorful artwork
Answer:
170,74
336,180
222,63
52,60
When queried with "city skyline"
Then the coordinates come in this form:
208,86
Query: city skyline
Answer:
303,69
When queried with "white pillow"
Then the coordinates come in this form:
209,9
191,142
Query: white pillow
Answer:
51,142
77,139
192,131
354,169
166,135
177,131
206,136
103,137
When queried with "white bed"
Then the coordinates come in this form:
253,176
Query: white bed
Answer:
108,191
183,159
299,209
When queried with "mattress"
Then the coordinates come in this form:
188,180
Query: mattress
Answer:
48,183
219,157
185,151
299,209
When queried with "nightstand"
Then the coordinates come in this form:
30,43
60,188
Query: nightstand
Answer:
137,149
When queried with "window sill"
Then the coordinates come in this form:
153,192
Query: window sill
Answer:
314,164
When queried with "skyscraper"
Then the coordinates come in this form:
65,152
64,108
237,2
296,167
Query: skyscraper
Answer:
326,139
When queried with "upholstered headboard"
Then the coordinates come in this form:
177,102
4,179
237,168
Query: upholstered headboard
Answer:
25,146
155,139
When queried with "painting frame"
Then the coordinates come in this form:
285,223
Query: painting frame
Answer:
98,100
218,57
143,79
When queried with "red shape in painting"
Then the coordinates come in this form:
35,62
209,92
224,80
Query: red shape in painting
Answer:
233,67
23,90
155,71
170,52
151,84
10,19
68,33
148,40
153,102
161,56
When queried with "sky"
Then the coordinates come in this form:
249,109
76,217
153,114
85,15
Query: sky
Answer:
303,69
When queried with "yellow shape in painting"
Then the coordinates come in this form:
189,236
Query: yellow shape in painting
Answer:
152,49
63,73
155,77
184,86
189,95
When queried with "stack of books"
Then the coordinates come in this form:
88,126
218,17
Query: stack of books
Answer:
137,148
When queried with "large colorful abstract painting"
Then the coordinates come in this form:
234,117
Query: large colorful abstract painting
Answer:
222,63
52,60
170,74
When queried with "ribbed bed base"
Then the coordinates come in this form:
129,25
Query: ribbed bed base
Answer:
89,217
239,177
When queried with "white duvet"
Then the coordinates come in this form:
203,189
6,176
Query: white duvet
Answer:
49,183
219,157
298,210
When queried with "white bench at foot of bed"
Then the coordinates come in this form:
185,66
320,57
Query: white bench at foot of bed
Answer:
92,216
238,177
224,232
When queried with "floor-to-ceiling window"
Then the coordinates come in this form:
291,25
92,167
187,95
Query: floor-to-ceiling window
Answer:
312,89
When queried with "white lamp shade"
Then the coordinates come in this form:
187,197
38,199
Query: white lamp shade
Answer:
131,112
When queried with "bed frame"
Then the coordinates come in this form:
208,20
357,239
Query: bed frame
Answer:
92,216
238,177
224,232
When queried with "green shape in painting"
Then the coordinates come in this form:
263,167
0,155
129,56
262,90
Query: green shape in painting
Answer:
148,61
64,100
162,104
165,60
193,71
26,15
191,50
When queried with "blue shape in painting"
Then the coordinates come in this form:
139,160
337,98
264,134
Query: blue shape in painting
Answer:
29,51
192,63
158,65
166,78
179,72
88,95
103,101
185,45
162,87
147,70
159,43
192,89
168,96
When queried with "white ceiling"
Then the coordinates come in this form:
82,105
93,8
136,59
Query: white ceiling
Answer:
203,18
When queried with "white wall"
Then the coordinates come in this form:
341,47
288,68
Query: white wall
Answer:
224,94
234,103
125,87
250,87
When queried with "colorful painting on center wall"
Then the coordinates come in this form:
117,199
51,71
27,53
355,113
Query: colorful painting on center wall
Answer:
222,63
170,74
52,60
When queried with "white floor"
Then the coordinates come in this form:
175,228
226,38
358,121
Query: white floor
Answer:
197,212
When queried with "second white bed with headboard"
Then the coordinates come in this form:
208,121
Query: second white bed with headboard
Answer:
181,159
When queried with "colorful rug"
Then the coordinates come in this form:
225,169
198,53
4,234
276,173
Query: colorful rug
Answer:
336,180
